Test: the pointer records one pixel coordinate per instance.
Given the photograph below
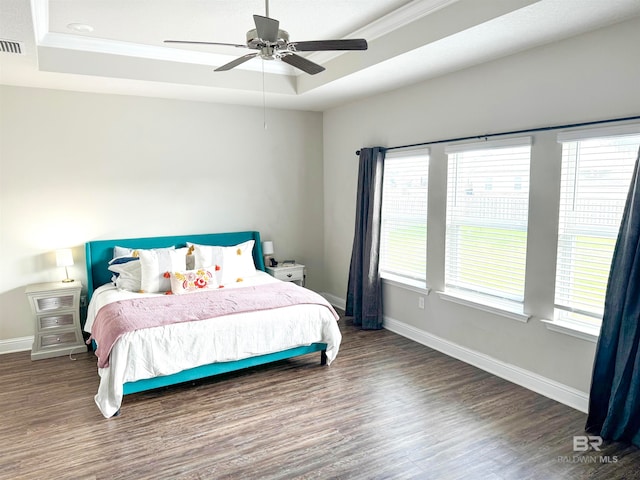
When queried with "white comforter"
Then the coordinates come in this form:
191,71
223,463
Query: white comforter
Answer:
165,350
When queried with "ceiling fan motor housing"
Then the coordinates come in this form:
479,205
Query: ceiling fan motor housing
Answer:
256,43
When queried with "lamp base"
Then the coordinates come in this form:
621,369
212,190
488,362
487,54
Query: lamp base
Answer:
67,280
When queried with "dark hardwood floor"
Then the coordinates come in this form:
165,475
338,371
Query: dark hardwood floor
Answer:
387,408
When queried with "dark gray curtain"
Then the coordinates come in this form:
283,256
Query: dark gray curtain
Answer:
364,292
614,402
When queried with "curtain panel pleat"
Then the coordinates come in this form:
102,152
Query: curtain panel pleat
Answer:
364,291
614,401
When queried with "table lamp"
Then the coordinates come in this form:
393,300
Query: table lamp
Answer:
64,258
267,251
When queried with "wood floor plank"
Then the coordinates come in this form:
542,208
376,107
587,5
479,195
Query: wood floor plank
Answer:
386,408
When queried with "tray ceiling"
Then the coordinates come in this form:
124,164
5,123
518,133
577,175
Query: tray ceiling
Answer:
116,46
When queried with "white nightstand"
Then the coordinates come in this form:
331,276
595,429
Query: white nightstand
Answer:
288,273
56,313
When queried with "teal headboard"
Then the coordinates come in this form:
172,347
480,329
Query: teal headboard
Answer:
100,252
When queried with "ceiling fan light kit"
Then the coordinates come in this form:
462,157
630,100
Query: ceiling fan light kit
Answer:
273,43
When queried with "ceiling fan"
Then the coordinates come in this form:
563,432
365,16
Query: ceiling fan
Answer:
273,43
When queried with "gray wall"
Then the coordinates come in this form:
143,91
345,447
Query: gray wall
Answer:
76,167
590,77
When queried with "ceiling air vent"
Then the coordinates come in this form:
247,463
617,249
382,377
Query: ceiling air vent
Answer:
9,46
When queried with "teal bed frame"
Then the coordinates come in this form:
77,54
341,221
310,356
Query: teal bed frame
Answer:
100,252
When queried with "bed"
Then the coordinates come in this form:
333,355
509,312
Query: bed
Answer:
165,353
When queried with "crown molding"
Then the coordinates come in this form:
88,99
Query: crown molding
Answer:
393,21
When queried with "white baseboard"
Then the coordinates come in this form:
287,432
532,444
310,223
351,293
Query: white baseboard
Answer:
341,303
16,344
544,386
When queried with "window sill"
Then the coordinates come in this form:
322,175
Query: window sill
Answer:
585,332
408,284
506,309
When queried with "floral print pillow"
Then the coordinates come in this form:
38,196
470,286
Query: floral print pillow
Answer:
193,280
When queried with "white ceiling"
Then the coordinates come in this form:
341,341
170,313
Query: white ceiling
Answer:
409,41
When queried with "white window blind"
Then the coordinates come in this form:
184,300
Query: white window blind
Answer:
403,242
596,173
487,213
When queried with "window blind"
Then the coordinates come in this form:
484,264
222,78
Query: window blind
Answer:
487,213
403,236
595,178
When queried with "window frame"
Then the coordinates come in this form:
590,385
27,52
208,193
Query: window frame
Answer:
562,321
481,300
396,278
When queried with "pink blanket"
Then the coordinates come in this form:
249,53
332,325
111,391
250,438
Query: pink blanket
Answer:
116,319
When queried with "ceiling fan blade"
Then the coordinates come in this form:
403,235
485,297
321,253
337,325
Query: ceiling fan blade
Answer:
236,62
302,63
318,45
206,43
267,28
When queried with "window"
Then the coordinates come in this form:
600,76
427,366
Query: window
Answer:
486,233
597,166
403,242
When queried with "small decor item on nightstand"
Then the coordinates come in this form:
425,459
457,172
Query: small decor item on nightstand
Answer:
64,258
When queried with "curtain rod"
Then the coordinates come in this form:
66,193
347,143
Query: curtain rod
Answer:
514,132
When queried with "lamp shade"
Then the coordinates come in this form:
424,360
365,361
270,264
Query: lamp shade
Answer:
64,257
267,248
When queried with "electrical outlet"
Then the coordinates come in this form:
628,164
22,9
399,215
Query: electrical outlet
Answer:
83,300
421,302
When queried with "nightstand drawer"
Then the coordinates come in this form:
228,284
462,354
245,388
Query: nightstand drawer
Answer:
53,321
58,339
45,304
289,275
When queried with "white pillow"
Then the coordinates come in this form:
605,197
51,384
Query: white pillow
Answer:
156,265
231,264
132,252
128,275
122,252
237,263
193,280
206,255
